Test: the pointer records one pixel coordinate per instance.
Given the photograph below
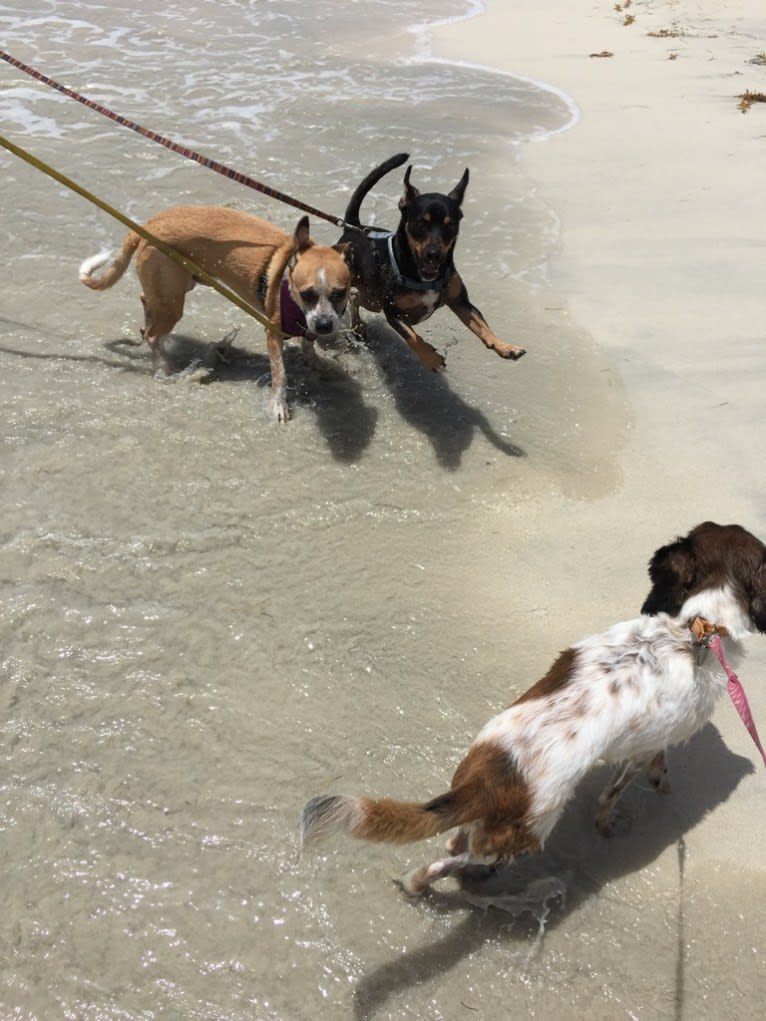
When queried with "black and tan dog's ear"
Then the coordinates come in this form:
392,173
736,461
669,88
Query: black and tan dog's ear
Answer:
410,191
346,250
458,191
672,571
301,239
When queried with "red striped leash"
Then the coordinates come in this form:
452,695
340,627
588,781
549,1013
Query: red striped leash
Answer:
219,168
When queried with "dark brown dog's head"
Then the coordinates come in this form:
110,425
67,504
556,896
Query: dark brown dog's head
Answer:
714,565
431,223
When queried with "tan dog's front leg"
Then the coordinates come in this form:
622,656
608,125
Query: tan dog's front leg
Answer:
278,402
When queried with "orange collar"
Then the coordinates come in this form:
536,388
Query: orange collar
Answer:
702,630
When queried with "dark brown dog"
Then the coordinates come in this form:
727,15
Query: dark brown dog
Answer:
409,273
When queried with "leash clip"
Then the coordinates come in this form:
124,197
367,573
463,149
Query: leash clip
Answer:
703,633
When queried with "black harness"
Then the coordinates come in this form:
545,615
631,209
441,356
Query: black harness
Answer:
408,283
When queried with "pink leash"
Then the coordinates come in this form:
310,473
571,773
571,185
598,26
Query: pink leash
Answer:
737,692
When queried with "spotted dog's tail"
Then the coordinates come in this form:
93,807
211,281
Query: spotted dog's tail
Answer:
387,821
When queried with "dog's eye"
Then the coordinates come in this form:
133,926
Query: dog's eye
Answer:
309,296
337,296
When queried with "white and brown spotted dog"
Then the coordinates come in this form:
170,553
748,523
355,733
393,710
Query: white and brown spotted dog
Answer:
622,696
290,279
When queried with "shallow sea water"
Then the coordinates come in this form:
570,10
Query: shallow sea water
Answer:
207,618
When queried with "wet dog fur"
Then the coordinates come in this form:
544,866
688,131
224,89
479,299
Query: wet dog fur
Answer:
411,275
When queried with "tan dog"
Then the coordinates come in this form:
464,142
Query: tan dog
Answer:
253,258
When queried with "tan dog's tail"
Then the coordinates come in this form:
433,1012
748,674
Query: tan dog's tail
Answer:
118,265
386,821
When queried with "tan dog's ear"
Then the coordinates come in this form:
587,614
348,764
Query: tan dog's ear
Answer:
458,191
410,191
347,251
301,239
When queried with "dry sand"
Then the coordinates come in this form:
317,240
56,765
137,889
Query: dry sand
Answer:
659,191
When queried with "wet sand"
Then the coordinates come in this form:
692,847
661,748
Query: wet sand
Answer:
208,618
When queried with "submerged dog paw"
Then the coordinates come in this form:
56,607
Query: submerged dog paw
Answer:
615,823
222,348
279,409
534,898
195,372
415,883
432,360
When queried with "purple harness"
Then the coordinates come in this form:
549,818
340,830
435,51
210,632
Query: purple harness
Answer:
293,320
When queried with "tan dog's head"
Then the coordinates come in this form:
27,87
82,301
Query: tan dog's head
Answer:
320,278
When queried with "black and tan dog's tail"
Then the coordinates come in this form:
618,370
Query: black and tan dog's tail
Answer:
117,266
355,202
385,821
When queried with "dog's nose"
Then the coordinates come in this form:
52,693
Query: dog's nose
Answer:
324,324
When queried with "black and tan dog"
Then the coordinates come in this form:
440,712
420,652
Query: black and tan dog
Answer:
302,287
409,273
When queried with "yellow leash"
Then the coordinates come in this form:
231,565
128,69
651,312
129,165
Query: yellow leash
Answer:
171,253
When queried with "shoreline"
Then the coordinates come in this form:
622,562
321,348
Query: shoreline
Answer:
426,35
656,191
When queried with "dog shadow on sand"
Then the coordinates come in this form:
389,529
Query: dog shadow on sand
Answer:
336,398
330,393
56,356
426,401
536,893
